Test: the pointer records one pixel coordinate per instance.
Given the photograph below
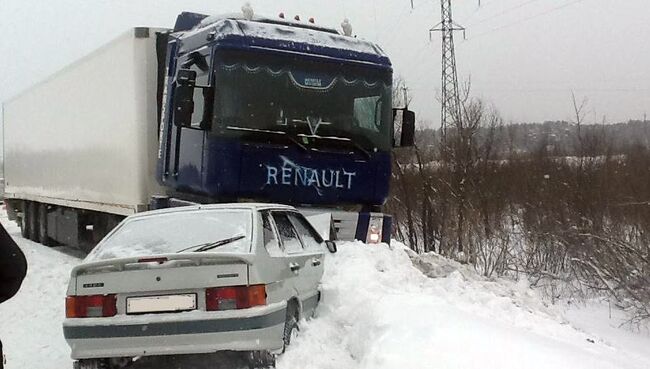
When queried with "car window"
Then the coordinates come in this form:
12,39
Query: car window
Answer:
288,235
271,242
310,239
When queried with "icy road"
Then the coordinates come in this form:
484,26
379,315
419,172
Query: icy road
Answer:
379,311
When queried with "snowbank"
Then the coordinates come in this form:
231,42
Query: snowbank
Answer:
381,312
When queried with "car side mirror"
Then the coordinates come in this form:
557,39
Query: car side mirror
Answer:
408,129
184,97
331,246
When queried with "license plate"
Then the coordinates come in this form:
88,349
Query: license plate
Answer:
160,304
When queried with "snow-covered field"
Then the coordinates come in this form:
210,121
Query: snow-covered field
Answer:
379,311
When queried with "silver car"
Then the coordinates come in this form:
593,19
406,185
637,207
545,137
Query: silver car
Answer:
193,280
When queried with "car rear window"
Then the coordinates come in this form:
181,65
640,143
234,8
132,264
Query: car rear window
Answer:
183,231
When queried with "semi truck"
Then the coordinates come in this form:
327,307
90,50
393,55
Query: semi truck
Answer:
230,108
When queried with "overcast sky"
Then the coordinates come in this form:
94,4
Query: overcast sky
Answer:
524,56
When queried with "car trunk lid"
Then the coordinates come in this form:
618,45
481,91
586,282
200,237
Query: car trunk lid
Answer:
160,273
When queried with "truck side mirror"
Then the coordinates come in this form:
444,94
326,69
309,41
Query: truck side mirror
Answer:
408,129
184,97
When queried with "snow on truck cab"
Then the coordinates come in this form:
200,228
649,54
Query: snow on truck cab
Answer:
219,109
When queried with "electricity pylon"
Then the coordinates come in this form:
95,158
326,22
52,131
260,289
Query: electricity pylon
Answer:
451,112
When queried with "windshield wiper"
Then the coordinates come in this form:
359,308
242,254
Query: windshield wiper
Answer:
269,133
349,141
212,245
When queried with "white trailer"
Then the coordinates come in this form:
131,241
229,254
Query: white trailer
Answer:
80,148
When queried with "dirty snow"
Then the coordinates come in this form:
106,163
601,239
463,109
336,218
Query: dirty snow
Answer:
380,310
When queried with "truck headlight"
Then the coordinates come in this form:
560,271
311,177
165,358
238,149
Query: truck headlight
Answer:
375,227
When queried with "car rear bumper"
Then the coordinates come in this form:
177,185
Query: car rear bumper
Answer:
258,328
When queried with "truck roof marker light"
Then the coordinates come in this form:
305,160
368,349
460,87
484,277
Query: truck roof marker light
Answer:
347,27
311,20
281,15
297,17
247,9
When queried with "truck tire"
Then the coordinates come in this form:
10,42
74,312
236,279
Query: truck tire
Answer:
42,225
261,360
32,221
290,325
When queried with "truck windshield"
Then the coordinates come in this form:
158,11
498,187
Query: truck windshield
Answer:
323,102
172,232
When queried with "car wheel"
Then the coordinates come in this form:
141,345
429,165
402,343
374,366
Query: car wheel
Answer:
92,364
291,327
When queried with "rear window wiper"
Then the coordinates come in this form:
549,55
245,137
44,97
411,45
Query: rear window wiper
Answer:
212,245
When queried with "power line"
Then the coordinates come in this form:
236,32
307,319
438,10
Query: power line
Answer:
552,10
506,11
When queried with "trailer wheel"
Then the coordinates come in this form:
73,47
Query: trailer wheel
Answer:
42,225
92,364
23,219
32,221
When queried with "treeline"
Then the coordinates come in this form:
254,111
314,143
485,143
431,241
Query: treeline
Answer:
573,213
559,138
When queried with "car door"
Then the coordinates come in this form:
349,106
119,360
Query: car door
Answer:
277,274
313,249
294,253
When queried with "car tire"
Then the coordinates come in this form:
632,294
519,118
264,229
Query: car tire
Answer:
291,326
42,225
92,364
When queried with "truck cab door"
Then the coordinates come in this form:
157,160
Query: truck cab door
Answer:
186,141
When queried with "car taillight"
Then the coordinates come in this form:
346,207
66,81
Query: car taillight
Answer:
94,306
240,297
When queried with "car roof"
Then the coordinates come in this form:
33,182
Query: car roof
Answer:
225,206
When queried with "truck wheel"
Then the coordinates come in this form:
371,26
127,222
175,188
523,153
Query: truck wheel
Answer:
32,221
92,364
42,225
291,327
261,359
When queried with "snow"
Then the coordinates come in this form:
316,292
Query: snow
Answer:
286,33
30,324
383,308
380,311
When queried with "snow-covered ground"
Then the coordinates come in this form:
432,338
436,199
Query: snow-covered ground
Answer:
379,311
30,323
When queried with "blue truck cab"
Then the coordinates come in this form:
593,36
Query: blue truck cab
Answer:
278,111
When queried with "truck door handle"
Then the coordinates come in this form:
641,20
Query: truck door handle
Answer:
294,267
315,262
